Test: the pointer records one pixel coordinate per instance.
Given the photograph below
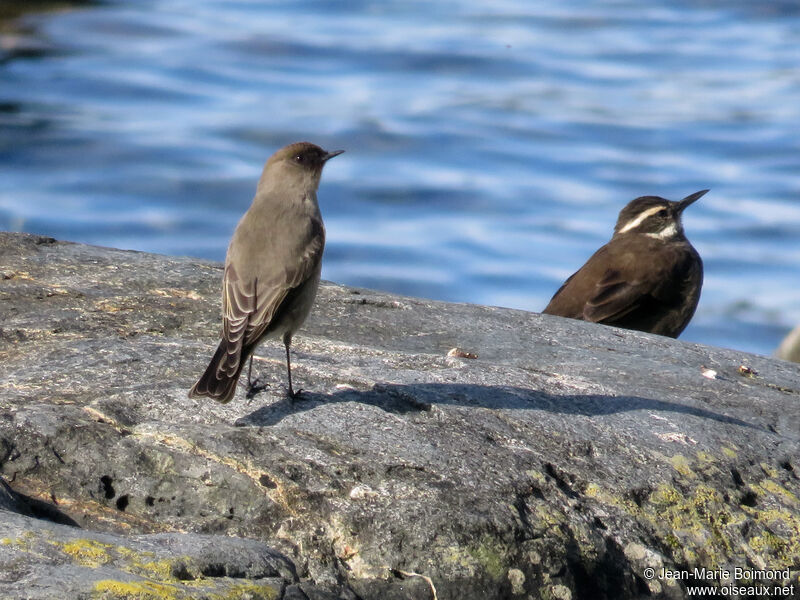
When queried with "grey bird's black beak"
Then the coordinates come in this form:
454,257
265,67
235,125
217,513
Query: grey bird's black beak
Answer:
330,155
691,199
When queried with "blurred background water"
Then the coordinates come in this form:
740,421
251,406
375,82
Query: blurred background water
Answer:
490,145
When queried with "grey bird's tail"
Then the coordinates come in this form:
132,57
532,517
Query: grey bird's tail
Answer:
218,382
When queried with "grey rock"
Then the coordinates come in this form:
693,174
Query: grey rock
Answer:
303,592
294,592
562,462
39,559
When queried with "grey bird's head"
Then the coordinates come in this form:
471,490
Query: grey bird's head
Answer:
654,216
296,166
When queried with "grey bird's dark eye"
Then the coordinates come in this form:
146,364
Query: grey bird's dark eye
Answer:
299,158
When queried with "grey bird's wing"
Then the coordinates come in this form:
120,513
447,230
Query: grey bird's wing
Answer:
250,304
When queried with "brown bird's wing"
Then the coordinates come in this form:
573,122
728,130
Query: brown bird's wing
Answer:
658,294
571,298
614,297
599,294
628,289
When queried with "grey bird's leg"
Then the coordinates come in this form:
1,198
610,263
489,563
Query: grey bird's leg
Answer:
287,341
250,383
253,387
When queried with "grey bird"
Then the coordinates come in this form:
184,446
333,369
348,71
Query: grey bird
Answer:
648,277
272,268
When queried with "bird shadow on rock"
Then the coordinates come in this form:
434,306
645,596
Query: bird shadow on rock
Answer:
402,399
28,506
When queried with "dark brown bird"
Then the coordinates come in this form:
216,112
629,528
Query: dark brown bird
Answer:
272,268
648,277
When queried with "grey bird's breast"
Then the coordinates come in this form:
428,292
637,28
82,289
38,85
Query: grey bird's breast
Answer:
277,235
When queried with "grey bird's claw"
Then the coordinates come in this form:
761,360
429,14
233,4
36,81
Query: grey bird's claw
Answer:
253,388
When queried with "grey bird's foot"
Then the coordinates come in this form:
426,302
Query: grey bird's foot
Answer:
254,388
295,395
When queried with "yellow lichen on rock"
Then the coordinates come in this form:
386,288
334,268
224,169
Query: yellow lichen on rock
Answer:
86,552
681,464
135,590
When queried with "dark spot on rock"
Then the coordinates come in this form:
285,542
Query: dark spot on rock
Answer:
747,526
149,501
639,495
522,510
560,479
267,482
122,502
293,472
230,512
235,571
40,240
15,335
642,587
737,478
787,465
214,570
106,487
748,499
181,572
36,465
8,451
599,524
58,456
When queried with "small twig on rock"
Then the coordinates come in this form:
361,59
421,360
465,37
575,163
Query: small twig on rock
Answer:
412,574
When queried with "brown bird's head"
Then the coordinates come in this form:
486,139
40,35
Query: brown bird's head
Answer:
297,165
654,216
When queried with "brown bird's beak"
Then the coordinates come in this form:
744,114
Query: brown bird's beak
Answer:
690,200
330,155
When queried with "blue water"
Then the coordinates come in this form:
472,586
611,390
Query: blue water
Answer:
490,145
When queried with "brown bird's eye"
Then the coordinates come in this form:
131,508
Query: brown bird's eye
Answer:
662,212
299,158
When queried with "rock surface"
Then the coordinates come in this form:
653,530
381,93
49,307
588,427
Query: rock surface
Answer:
560,463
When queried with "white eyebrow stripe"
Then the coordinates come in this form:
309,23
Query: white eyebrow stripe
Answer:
633,223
